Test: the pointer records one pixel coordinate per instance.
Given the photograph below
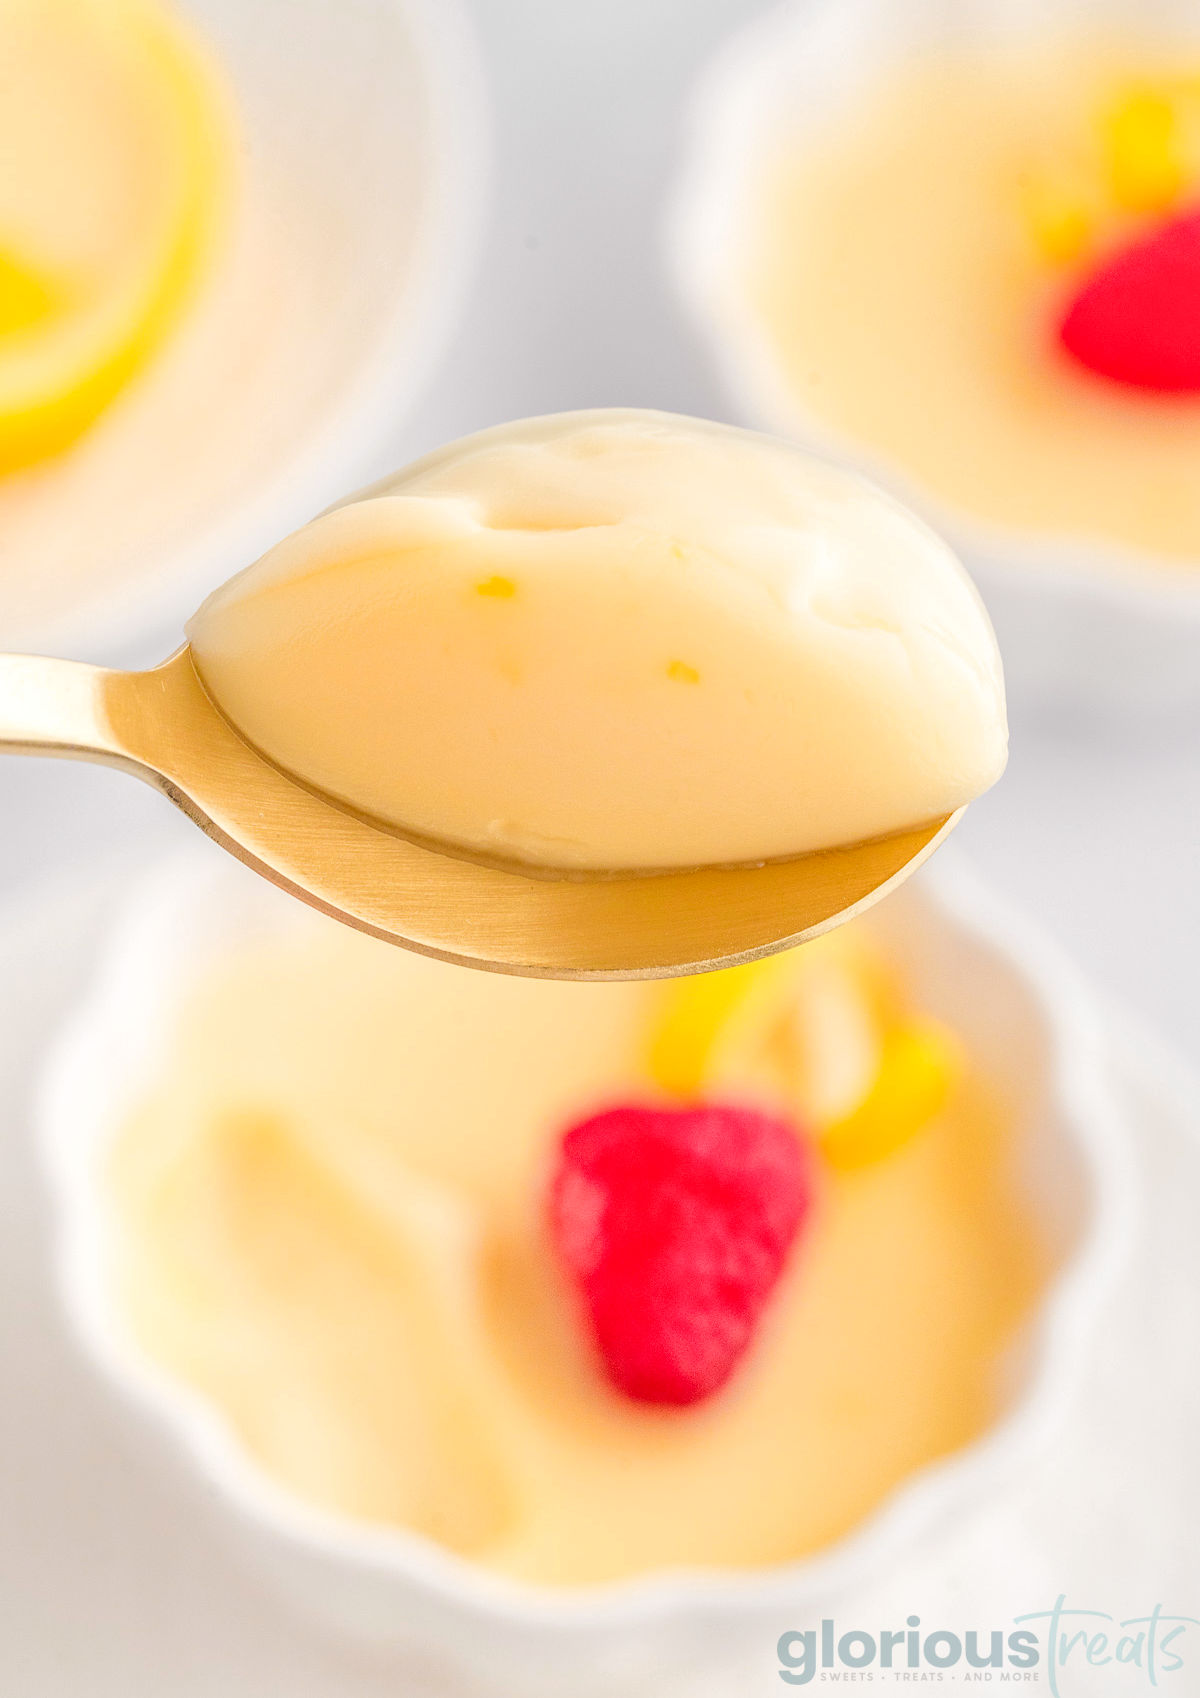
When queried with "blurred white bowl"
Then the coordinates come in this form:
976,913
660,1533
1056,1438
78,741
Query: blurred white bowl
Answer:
1076,621
1033,1035
364,129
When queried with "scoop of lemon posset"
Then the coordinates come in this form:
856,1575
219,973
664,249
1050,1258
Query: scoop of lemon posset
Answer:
748,688
614,641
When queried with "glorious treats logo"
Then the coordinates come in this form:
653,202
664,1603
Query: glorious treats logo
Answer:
1052,1646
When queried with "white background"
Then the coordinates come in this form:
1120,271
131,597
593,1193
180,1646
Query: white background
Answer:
1095,827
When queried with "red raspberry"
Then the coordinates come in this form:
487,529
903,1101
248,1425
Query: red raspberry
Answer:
675,1224
1136,318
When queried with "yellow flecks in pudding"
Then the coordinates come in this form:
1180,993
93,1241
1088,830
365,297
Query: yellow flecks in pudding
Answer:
500,589
115,166
823,1031
732,707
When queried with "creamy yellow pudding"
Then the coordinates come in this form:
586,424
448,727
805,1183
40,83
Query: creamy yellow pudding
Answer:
908,263
617,640
328,1219
115,171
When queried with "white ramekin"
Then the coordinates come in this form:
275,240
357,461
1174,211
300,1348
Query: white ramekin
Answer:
1033,1034
1077,621
365,123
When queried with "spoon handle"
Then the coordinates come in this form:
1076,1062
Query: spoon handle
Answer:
54,707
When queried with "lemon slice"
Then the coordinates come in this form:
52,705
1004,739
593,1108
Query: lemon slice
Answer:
920,1064
802,1027
1147,133
115,167
714,1019
821,1031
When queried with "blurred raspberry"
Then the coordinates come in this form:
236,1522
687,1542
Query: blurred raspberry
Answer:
675,1225
1136,318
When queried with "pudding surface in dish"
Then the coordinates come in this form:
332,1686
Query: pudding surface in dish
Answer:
615,641
328,1218
914,264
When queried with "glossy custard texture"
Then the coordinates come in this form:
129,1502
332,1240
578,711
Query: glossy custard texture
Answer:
329,1220
617,640
909,267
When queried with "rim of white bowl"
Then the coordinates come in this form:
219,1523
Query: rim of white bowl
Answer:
74,1121
732,114
390,375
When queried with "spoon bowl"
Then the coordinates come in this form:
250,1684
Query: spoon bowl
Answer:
161,726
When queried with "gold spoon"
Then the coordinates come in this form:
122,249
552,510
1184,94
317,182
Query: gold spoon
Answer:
162,726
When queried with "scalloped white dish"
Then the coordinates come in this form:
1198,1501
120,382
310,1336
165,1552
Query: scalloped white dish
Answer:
1078,620
1034,1038
362,124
